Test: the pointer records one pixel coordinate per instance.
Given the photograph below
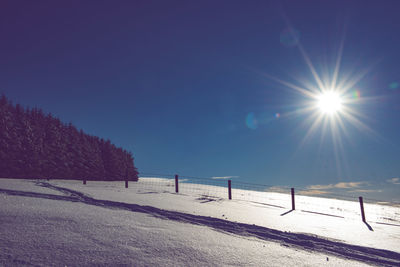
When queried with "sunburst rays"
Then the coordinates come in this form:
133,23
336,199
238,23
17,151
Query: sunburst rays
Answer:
330,102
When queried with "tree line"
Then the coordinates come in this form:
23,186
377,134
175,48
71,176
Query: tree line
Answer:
38,145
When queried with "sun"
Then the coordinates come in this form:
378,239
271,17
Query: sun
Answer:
330,105
329,102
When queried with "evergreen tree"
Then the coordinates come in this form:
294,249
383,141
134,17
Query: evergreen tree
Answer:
35,145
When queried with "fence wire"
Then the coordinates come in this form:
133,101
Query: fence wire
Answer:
328,203
306,200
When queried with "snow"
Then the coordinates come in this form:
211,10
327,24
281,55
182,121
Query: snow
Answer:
147,224
21,184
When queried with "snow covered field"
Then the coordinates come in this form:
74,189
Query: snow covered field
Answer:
102,223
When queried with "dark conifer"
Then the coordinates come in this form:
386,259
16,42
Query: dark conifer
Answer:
35,145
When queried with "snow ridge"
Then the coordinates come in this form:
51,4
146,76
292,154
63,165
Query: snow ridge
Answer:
297,240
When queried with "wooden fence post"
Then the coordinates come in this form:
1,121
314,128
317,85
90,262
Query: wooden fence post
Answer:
84,181
176,184
126,183
293,205
229,189
362,208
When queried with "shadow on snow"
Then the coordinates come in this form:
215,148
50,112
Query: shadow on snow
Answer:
296,240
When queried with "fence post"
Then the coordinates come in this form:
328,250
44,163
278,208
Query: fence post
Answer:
292,191
362,208
229,189
176,184
84,181
126,183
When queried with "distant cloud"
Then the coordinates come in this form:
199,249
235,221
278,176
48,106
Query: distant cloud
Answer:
350,184
394,180
341,185
313,192
366,191
320,187
223,177
278,189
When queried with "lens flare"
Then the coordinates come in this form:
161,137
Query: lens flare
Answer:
251,121
356,94
290,37
394,85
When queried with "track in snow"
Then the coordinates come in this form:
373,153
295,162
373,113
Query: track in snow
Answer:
296,240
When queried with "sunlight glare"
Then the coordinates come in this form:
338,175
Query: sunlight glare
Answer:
329,102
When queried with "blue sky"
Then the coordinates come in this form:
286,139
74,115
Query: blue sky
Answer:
190,87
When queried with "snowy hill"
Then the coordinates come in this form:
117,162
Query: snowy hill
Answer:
148,224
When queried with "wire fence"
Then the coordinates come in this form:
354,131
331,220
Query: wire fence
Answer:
328,204
281,197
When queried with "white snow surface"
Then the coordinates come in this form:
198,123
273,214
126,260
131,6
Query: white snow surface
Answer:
66,223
